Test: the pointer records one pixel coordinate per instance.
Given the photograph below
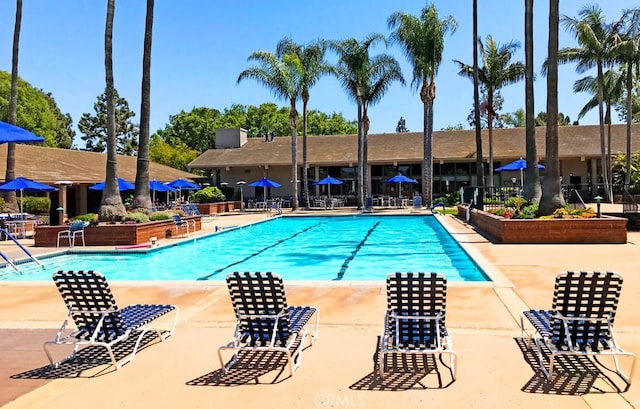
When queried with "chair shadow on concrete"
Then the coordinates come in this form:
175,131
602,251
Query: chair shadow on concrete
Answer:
406,371
573,375
259,367
89,362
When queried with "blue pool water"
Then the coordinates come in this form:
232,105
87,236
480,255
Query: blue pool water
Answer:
363,247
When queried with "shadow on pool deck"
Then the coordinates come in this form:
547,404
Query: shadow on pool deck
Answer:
494,369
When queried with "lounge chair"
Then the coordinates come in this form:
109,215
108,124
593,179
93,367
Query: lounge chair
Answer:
75,230
580,321
182,225
194,210
264,321
415,318
187,209
98,320
416,204
368,205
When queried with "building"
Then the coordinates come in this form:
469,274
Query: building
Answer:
73,171
238,158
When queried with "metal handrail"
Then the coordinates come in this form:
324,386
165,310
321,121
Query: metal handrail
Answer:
6,233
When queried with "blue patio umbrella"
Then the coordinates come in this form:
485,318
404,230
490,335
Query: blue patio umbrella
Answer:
400,179
12,133
329,181
265,183
122,185
517,164
29,185
182,184
156,185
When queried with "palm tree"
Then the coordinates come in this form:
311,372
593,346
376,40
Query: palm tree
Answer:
612,93
142,196
284,77
532,189
476,100
596,40
552,198
10,174
111,207
630,55
422,42
365,79
496,72
313,67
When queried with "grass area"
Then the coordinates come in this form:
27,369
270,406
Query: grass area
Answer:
447,210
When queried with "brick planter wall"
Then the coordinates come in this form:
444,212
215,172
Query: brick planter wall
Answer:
113,234
606,229
217,207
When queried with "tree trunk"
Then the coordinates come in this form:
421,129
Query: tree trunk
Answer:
293,122
360,176
552,198
532,189
476,100
603,147
305,171
142,196
365,152
629,79
11,202
111,207
490,129
428,94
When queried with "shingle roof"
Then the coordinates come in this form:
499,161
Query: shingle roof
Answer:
49,165
458,146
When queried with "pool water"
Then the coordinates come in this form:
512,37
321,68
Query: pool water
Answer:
360,247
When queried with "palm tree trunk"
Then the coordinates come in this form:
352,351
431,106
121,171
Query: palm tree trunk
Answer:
428,94
607,121
552,198
305,171
629,79
142,196
365,152
603,148
293,122
476,100
532,190
360,176
111,207
11,202
490,129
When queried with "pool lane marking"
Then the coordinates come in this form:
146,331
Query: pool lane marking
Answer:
277,243
348,260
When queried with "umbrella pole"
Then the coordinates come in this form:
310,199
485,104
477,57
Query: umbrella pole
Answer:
521,178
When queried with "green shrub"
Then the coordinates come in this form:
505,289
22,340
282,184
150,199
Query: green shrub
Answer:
159,216
137,217
89,217
36,205
207,195
530,210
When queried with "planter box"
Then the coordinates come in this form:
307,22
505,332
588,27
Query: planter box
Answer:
113,234
606,229
217,207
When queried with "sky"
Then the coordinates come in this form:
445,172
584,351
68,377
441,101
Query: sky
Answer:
200,48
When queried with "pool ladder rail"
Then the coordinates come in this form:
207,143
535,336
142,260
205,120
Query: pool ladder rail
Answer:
9,262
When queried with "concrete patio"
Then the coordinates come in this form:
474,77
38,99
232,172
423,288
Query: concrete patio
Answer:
494,368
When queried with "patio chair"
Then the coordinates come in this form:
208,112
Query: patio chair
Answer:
194,210
75,230
368,205
415,318
99,321
264,321
580,321
416,204
182,225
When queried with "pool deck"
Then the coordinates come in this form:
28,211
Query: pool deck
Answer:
495,370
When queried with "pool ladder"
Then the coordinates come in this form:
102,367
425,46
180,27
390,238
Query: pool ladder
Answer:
9,236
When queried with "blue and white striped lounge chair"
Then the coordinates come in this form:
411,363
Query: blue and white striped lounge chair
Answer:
264,321
580,321
99,321
415,318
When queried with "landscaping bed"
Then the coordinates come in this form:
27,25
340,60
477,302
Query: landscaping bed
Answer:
605,229
114,234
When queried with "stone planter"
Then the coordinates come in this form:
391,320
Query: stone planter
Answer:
606,229
113,234
217,207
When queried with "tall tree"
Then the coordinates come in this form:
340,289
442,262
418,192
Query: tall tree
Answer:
630,55
401,127
497,71
596,39
476,100
552,198
532,188
10,174
365,79
111,207
94,127
422,42
283,76
142,196
313,66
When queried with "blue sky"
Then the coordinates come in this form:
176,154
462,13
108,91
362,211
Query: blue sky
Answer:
200,47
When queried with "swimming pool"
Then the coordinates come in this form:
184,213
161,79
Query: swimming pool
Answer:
354,247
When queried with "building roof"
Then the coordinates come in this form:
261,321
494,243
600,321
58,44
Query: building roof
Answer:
450,146
49,165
